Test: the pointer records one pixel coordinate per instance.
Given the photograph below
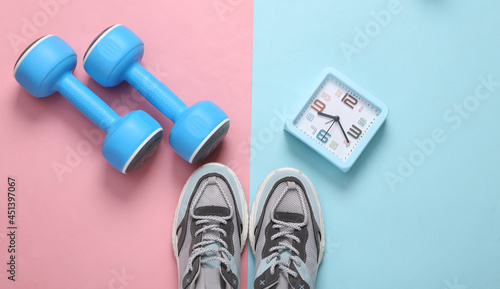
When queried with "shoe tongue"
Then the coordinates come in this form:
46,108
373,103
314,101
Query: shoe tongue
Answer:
285,254
209,278
212,211
289,217
283,283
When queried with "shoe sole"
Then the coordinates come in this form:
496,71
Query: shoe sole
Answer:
240,195
259,195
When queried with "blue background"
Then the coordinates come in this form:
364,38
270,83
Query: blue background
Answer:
440,228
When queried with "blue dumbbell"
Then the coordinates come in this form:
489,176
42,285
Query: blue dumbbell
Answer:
46,66
114,56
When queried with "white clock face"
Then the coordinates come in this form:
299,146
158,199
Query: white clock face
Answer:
336,118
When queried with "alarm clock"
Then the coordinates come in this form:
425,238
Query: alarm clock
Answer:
337,118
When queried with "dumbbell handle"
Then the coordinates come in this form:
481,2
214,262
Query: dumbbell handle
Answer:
155,91
87,102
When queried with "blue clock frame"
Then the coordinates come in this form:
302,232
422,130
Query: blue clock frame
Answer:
343,165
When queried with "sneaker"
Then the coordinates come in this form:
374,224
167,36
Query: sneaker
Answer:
287,234
210,229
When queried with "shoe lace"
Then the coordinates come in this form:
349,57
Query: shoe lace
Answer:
210,223
286,231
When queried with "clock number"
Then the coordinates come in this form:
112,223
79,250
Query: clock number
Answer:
323,136
354,131
349,100
318,105
314,129
334,145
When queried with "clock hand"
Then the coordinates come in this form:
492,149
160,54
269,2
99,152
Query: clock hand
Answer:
333,122
327,115
333,117
343,131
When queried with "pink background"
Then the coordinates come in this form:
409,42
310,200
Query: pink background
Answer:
81,228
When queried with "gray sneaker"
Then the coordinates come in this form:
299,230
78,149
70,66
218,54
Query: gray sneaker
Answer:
210,229
287,234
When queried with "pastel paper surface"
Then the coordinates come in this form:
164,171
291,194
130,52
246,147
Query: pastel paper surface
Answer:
438,227
93,227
